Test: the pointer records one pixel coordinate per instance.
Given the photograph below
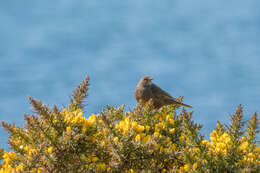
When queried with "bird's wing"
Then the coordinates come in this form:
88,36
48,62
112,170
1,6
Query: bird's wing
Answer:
162,98
137,94
157,91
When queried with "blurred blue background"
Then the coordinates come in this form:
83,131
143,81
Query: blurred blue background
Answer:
207,51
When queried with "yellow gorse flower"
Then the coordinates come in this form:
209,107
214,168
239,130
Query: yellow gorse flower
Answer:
101,166
138,138
181,138
9,156
147,139
147,128
156,134
186,167
195,165
115,139
50,149
19,167
68,129
172,130
139,128
205,142
213,136
243,146
92,119
94,159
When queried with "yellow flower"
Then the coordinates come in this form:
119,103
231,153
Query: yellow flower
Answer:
134,124
100,121
142,135
147,138
115,139
77,119
181,170
156,134
181,138
138,137
160,125
171,121
94,159
156,146
68,129
213,139
173,147
139,129
40,170
243,146
161,149
101,167
217,150
220,145
205,142
195,165
147,128
79,112
150,151
156,129
225,135
118,126
204,161
172,130
213,136
195,150
8,157
92,119
228,140
251,155
42,135
19,167
186,167
50,150
258,149
67,116
125,130
157,116
84,129
103,143
224,138
131,171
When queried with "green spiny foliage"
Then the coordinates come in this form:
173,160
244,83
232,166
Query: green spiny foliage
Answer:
143,140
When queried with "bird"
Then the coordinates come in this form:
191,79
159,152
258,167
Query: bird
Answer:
146,91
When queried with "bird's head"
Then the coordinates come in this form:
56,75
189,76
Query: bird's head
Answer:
146,81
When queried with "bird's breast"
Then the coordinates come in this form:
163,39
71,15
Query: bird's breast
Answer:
145,93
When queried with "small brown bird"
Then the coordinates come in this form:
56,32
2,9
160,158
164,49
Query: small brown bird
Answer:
146,90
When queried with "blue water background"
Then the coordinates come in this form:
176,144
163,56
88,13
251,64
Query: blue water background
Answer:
207,51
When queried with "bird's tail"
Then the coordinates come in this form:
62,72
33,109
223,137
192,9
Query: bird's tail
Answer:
182,104
173,101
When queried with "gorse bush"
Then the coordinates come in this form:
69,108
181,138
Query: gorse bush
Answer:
143,140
